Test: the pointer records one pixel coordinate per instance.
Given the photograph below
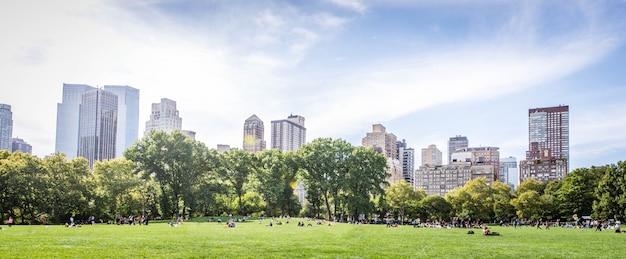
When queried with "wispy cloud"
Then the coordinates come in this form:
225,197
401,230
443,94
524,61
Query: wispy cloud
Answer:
223,61
354,5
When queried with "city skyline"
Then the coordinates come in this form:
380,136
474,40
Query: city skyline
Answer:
427,70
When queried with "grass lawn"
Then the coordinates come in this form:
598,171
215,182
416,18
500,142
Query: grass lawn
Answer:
253,240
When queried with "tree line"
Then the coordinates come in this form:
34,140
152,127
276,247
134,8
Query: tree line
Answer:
166,175
598,192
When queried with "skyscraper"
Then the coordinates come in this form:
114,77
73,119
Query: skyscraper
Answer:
406,155
547,157
164,116
127,116
253,134
456,143
21,145
67,119
6,127
549,128
508,167
431,156
97,127
289,134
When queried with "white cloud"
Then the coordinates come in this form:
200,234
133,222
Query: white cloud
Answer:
329,20
244,61
354,5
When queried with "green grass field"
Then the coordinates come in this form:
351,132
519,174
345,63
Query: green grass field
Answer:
253,240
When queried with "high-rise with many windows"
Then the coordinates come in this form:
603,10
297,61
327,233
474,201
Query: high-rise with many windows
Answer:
456,143
6,127
431,156
19,144
253,135
547,157
97,127
67,119
164,116
127,116
549,127
382,141
386,144
406,155
289,134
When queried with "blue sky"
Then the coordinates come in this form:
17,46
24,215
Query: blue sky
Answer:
427,70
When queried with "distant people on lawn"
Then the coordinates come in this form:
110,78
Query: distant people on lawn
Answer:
10,221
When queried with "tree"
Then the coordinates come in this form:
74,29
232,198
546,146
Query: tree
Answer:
23,186
528,205
529,185
434,207
235,167
325,166
118,187
366,178
399,195
67,186
576,194
275,180
172,159
474,200
611,193
502,208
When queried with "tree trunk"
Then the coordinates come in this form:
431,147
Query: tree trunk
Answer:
327,206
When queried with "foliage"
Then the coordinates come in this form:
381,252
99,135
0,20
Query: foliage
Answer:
434,207
176,162
473,201
399,195
611,193
236,166
502,208
338,175
119,188
577,191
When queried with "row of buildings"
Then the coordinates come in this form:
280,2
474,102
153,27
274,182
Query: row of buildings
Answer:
100,123
547,157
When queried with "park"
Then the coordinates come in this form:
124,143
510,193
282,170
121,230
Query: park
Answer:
254,239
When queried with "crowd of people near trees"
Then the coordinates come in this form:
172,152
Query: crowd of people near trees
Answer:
168,175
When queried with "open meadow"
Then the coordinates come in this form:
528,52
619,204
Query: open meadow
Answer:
253,240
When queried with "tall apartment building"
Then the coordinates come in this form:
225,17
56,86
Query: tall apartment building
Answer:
542,166
127,116
456,143
164,116
479,156
19,144
97,127
547,157
289,134
386,144
68,117
6,127
508,168
431,156
380,139
253,135
406,155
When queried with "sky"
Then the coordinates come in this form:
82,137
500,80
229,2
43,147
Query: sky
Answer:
427,70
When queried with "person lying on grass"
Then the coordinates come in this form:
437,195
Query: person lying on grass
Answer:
487,232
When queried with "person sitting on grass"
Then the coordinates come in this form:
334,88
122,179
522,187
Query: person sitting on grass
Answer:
487,232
